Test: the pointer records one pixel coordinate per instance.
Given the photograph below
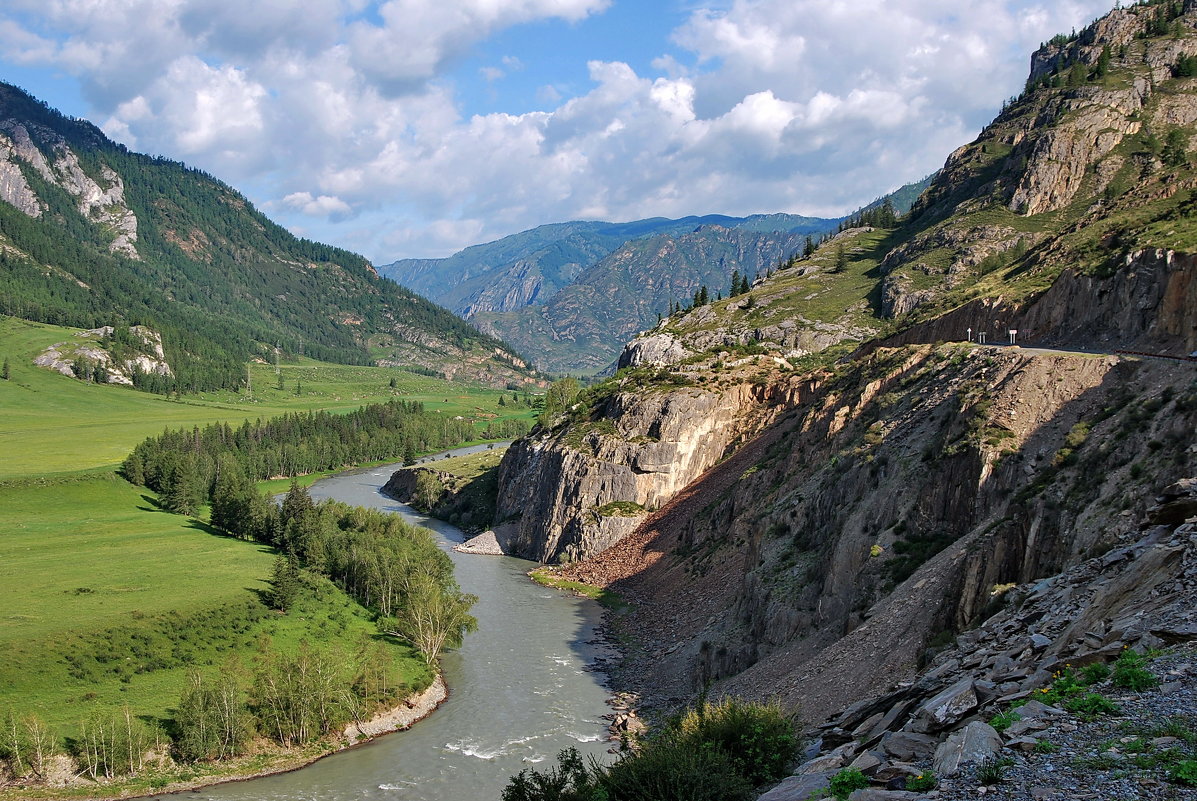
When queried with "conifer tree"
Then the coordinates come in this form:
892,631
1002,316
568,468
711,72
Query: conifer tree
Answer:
841,259
5,371
284,582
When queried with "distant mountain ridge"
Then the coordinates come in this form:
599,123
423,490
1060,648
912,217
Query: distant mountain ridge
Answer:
568,295
93,234
530,267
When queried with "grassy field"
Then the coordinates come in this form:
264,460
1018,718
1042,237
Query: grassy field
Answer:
90,565
92,561
51,424
470,466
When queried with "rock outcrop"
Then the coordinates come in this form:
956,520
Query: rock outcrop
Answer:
88,349
1149,305
103,205
580,488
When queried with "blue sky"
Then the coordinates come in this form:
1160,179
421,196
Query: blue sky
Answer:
405,128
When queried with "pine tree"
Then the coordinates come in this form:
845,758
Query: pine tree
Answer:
735,284
296,504
1103,63
281,386
5,371
185,489
841,259
1175,149
284,583
808,248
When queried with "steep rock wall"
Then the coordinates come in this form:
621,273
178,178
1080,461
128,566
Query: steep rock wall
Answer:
1149,305
818,561
641,449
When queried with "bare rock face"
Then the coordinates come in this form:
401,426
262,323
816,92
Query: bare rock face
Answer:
62,356
1092,123
14,189
101,200
1149,305
559,488
655,350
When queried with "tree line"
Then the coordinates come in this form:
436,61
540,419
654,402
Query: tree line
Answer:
186,467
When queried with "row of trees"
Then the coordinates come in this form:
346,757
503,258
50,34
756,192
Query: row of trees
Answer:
291,697
185,467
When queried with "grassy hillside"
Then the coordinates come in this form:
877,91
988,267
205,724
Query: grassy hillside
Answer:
93,574
90,565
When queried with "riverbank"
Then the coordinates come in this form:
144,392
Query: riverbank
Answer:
268,760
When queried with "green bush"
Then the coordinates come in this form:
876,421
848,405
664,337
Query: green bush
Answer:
671,769
1095,673
758,738
1091,705
922,783
1131,673
1002,720
843,783
712,751
993,770
570,781
1184,773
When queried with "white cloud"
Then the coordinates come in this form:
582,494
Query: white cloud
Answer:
340,115
322,206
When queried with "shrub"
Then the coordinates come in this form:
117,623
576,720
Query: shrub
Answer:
1184,773
758,738
674,770
922,783
1091,705
570,781
1095,673
993,770
1002,720
1130,672
843,783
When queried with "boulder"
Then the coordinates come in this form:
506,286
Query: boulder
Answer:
799,788
948,706
908,746
973,744
831,761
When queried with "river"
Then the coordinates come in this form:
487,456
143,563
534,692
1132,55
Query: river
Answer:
519,688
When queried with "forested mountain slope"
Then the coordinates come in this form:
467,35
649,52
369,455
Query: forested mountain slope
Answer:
92,234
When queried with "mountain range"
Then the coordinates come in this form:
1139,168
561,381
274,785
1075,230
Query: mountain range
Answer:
568,295
95,235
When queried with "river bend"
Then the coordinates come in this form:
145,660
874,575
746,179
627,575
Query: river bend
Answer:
519,688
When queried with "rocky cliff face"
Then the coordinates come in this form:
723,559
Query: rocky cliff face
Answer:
1149,305
101,199
582,487
884,508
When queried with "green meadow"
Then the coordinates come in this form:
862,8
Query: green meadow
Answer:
50,423
92,570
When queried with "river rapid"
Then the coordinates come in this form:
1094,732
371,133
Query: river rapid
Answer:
519,690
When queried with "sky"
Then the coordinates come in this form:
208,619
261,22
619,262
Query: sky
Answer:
414,128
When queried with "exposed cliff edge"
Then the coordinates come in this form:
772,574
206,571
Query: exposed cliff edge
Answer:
581,487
